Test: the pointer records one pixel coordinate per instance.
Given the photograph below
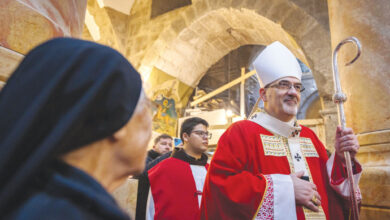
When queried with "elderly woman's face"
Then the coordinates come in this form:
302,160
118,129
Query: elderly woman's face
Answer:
137,137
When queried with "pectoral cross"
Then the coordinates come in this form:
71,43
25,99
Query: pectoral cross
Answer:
297,157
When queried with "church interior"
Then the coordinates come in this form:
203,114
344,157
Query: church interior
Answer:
195,58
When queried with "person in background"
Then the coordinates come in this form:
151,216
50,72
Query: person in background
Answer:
75,125
161,150
162,145
143,181
176,183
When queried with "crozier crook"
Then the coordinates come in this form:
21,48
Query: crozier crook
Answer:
339,98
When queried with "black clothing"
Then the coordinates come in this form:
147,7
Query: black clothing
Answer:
152,154
65,94
157,160
88,200
182,155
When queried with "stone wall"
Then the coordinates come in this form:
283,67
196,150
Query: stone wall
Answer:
366,83
187,41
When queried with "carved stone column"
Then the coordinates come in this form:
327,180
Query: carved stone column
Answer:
329,114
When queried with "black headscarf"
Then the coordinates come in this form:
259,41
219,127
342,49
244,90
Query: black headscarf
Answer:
65,94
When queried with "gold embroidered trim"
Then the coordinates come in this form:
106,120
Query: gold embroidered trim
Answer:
289,156
308,213
307,147
262,199
278,146
273,146
314,215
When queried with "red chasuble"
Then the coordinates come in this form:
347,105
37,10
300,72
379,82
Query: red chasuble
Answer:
174,190
239,183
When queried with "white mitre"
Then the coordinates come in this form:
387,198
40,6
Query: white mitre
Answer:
275,62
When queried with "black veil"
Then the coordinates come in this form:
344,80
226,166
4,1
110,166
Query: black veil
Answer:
65,94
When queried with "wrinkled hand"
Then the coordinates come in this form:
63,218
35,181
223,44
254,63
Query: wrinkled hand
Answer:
304,192
346,140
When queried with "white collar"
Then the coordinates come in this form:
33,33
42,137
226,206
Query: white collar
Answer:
274,125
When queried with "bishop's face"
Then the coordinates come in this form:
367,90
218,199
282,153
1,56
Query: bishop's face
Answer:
281,98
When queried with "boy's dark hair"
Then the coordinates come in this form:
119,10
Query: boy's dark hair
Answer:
189,124
163,136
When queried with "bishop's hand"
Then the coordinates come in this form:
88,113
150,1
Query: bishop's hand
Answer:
346,140
305,192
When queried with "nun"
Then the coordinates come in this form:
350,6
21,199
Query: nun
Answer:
74,124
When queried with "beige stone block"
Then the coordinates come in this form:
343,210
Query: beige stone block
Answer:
119,22
262,7
135,28
199,29
220,46
317,9
184,49
249,36
201,7
329,114
126,196
178,24
189,15
236,3
224,3
375,155
229,41
298,23
249,4
168,35
187,35
214,4
377,137
371,213
215,22
279,11
375,195
375,186
235,19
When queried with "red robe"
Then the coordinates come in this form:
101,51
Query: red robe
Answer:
174,190
238,185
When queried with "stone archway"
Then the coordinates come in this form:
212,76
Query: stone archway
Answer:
211,29
185,42
204,42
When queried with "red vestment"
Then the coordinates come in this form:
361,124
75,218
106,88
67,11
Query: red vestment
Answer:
239,183
174,191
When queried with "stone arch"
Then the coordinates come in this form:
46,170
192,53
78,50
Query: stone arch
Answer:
190,44
189,55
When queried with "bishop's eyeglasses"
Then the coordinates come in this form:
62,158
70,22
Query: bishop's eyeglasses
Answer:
286,85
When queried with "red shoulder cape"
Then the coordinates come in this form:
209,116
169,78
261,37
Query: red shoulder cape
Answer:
174,190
